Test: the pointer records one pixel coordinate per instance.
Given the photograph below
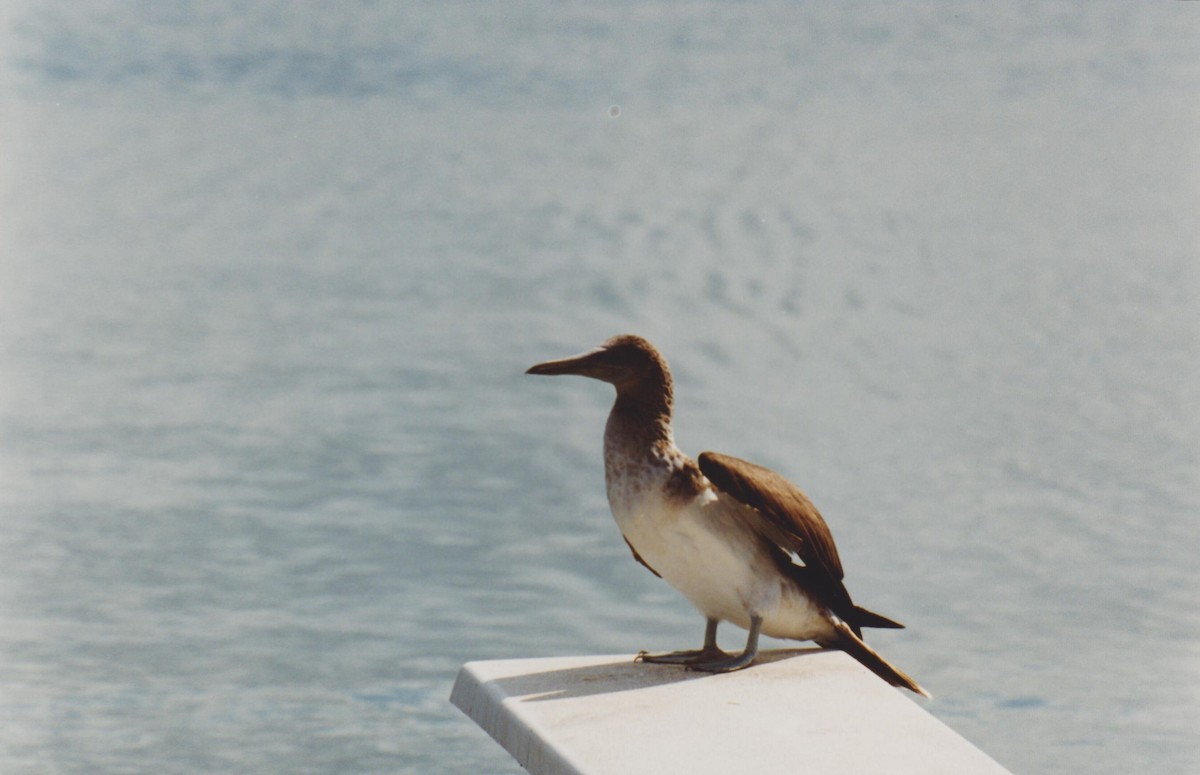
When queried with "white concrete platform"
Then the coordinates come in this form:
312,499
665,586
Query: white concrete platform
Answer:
793,711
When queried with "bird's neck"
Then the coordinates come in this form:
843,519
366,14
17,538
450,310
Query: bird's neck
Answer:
640,457
642,465
639,425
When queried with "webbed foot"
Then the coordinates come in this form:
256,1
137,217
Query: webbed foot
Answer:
728,663
711,652
689,658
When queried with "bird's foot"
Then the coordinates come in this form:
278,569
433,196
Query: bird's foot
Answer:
689,658
725,663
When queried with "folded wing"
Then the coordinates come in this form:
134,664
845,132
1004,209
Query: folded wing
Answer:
783,515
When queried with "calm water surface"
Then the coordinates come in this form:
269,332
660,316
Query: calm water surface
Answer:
270,275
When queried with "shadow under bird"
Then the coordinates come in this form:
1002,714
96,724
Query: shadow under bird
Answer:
724,532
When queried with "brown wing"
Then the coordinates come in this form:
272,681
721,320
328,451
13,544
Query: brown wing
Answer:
789,517
638,557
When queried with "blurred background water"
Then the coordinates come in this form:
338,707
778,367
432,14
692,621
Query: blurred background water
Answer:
270,274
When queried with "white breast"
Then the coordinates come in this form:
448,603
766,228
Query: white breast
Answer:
701,547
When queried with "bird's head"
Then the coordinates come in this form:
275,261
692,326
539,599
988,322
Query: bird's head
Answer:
624,361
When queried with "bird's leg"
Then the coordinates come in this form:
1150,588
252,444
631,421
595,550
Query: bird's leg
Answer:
727,663
710,652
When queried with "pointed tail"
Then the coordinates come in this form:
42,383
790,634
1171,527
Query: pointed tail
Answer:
864,618
854,646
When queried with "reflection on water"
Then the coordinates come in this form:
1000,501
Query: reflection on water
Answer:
270,279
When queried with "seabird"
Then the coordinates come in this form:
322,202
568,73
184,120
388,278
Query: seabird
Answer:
742,543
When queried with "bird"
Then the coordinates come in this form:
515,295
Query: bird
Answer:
738,540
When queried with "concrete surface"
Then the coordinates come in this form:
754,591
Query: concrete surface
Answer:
793,711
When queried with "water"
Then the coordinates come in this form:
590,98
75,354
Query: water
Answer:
269,276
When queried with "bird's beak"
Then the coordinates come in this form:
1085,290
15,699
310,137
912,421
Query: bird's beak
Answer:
584,365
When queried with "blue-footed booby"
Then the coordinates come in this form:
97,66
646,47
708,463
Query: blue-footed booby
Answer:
742,543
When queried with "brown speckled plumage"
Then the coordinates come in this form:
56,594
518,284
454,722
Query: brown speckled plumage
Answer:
722,531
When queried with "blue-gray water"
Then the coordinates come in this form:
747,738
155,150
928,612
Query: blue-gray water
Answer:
270,274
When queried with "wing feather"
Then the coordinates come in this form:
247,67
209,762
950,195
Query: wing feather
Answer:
789,518
638,557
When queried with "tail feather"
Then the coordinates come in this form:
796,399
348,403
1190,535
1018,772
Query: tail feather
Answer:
870,659
864,618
